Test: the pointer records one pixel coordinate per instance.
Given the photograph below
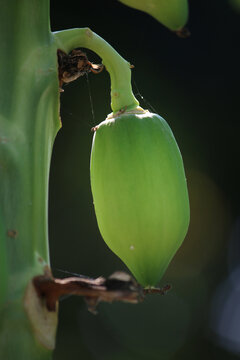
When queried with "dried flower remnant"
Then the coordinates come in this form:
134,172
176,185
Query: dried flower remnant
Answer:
73,65
119,286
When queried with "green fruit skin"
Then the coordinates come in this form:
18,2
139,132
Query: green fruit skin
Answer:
235,4
140,193
171,13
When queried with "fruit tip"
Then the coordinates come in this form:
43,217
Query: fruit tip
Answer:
183,32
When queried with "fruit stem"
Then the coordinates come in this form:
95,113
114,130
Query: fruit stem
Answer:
122,97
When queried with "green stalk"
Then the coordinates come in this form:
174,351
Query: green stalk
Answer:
29,107
122,97
3,269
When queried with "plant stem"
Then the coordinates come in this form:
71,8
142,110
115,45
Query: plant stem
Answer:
29,121
119,69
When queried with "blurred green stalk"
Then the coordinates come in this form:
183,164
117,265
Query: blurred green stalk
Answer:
29,121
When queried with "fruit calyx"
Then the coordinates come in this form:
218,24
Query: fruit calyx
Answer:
124,111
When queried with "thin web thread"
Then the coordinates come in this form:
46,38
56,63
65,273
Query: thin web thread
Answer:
146,102
72,273
90,98
137,93
65,110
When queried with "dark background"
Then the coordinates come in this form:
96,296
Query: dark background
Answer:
194,84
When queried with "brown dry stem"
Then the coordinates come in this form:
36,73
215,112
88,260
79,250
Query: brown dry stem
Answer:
119,286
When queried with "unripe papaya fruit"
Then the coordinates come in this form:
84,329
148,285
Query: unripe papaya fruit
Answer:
171,13
235,4
139,191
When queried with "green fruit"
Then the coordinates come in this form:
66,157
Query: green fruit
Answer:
171,13
139,192
235,4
